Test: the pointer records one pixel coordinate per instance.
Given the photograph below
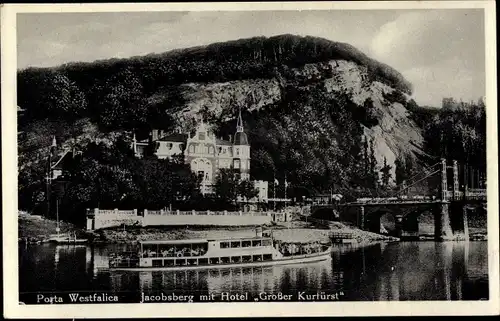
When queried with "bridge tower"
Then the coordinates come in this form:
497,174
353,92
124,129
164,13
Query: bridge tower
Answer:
442,224
444,181
455,181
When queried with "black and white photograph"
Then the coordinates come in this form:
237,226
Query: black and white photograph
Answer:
200,157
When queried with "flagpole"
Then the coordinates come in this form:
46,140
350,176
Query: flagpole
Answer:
286,187
274,191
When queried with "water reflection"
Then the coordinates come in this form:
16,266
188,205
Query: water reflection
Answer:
398,271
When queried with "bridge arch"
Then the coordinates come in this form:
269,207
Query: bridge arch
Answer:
381,221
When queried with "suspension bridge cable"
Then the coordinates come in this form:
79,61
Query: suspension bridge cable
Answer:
415,176
423,178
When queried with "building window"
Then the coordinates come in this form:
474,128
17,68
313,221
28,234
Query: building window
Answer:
220,150
170,145
243,164
201,136
237,151
211,150
237,163
191,148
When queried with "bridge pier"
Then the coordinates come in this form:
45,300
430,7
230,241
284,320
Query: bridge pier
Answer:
459,220
442,225
398,224
466,222
361,222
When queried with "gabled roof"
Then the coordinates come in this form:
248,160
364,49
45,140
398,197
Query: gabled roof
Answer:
182,138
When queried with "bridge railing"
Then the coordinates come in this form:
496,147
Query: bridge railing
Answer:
476,193
400,199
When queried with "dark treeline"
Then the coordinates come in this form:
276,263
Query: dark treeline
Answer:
458,132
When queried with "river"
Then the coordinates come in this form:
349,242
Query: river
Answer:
378,272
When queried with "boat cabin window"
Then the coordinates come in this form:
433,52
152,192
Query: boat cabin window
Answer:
257,258
224,245
256,243
246,243
236,244
266,242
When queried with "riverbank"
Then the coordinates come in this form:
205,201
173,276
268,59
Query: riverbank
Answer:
287,232
37,229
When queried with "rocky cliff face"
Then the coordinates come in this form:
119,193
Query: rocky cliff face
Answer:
395,134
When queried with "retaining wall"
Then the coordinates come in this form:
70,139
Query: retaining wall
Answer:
97,219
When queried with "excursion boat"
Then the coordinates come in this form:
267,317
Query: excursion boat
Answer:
261,250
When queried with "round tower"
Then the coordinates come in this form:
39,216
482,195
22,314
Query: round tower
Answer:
241,150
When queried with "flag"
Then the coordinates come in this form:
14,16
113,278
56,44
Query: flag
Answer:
276,181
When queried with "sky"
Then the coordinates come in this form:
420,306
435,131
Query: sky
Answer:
441,52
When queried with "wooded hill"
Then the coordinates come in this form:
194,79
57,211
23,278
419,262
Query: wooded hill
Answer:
318,111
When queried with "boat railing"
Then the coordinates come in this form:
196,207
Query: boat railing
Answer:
172,253
293,249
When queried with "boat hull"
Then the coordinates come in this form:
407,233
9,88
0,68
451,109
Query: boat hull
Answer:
298,259
66,241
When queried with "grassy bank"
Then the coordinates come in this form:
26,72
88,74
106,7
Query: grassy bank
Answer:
38,229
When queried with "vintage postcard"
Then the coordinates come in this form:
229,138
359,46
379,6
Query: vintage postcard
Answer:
249,159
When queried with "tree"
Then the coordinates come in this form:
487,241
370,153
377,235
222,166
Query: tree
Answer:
386,174
226,186
50,94
31,186
247,190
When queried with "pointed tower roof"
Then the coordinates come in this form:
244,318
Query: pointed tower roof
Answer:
239,123
240,138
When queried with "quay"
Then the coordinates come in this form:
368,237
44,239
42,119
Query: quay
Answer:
99,218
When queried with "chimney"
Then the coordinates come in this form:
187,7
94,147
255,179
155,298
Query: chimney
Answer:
154,134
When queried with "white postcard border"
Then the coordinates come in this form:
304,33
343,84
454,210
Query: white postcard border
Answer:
9,181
